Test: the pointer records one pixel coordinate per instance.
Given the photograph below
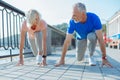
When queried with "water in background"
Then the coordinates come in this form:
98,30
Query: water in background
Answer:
4,52
13,41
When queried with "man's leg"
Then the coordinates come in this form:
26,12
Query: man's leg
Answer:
92,44
81,48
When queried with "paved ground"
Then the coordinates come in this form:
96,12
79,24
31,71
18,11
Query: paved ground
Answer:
73,70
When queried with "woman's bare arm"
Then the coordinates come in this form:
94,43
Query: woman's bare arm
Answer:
22,40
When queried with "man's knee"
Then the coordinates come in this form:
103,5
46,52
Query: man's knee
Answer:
79,57
92,36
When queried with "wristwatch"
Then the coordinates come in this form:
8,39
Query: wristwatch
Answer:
104,58
44,56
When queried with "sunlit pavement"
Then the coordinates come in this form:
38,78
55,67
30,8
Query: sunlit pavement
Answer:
72,70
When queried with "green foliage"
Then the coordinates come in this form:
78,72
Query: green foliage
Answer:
104,28
62,27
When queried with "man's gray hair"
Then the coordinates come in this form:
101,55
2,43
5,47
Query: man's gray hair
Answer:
81,7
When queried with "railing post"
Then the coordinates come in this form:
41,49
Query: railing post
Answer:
11,55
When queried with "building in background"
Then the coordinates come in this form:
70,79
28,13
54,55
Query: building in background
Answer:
113,30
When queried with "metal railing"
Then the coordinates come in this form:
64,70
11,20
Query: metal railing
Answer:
10,22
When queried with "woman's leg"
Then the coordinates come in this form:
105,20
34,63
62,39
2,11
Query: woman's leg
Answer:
33,46
38,40
36,46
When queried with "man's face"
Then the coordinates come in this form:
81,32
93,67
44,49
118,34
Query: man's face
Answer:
77,15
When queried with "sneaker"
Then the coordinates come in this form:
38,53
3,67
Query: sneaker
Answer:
38,59
91,61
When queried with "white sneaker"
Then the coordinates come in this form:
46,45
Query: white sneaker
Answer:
38,59
91,61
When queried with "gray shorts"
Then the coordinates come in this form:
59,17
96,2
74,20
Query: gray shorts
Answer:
36,44
81,46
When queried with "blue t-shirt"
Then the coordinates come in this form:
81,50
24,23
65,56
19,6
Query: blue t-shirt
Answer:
82,29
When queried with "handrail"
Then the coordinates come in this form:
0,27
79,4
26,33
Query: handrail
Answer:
10,7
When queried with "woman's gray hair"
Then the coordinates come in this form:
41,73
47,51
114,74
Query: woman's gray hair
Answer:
81,7
31,17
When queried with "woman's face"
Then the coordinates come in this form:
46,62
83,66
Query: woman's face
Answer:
34,26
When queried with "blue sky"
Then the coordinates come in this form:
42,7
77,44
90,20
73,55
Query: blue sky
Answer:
59,11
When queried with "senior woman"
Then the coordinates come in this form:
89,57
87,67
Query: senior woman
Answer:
36,29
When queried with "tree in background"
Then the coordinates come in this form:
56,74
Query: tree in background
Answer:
104,28
62,27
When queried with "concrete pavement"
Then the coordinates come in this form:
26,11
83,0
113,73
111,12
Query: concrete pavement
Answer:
72,70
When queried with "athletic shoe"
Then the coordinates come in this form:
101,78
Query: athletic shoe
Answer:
38,59
91,61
